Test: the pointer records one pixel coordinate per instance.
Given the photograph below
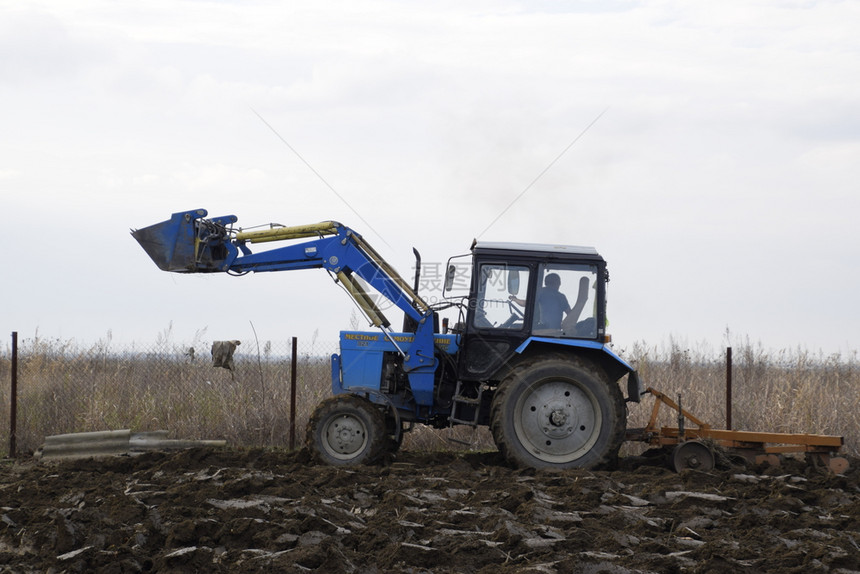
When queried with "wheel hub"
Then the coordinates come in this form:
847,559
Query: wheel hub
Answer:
558,420
692,455
345,435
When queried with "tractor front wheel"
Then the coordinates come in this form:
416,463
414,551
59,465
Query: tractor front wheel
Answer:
557,412
347,430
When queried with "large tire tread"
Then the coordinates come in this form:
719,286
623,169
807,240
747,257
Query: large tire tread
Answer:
508,386
356,406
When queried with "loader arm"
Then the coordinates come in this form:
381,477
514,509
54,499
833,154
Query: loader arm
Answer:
190,243
339,250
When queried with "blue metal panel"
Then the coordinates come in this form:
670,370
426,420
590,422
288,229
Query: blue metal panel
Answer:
336,386
360,368
361,359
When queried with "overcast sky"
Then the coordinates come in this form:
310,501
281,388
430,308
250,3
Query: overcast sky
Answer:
720,181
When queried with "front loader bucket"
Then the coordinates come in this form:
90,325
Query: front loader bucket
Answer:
171,244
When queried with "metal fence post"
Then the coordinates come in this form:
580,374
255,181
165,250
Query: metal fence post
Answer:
13,401
293,365
728,388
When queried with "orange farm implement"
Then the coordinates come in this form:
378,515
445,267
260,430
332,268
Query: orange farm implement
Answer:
693,448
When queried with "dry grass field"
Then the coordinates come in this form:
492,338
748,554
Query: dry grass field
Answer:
66,386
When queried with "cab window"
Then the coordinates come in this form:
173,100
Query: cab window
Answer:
500,286
566,301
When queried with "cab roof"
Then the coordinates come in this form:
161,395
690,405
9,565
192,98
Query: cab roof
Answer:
535,248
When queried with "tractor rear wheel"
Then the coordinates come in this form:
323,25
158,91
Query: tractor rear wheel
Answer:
558,412
347,430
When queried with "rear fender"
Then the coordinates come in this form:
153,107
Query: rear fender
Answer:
612,364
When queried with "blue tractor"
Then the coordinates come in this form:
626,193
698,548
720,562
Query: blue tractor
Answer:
527,354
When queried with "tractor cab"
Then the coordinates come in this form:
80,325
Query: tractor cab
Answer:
523,293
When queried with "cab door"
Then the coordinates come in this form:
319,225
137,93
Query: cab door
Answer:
498,318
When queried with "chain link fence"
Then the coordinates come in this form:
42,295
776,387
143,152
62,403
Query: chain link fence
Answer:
65,387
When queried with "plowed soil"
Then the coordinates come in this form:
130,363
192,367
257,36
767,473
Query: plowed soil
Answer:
269,511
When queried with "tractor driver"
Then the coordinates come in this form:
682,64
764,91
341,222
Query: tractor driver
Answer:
552,304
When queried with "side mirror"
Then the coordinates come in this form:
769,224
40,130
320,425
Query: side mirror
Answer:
458,277
513,281
449,277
